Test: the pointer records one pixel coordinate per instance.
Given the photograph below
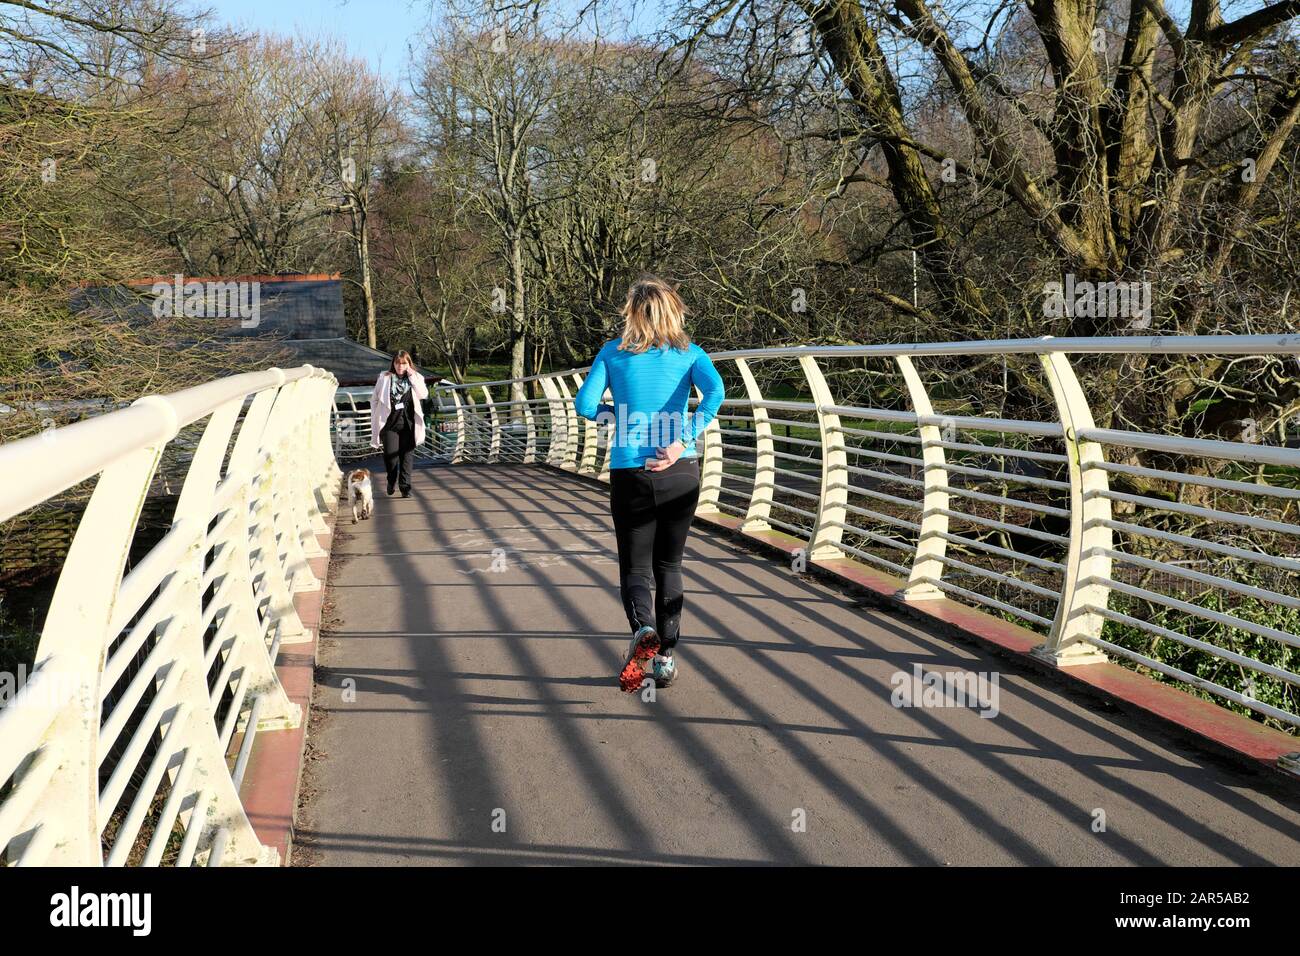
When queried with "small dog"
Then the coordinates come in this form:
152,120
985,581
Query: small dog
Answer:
360,494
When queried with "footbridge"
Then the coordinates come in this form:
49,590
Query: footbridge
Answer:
946,603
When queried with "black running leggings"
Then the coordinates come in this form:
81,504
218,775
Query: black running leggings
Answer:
652,516
399,452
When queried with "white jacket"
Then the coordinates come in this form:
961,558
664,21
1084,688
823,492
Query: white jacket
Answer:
381,406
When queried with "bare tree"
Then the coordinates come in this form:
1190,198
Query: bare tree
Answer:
488,92
356,121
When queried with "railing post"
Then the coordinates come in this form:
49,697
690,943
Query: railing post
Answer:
337,417
927,563
824,542
570,460
473,428
302,480
558,423
281,433
530,432
202,482
1086,577
494,443
324,472
710,466
72,651
590,437
250,457
199,734
760,499
458,449
327,481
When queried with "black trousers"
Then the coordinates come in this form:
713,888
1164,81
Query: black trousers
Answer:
652,516
399,453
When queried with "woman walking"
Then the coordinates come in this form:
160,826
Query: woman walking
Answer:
654,475
397,419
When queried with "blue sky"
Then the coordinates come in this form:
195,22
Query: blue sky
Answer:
375,29
378,30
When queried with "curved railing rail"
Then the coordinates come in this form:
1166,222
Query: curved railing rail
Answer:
117,750
1108,541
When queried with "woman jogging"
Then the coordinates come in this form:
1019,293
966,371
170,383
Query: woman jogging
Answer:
654,475
397,419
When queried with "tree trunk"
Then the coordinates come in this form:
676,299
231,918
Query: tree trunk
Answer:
517,337
861,65
367,286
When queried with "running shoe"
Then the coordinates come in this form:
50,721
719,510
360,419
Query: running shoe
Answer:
664,670
644,646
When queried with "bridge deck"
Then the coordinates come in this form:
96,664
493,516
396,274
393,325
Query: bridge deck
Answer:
478,690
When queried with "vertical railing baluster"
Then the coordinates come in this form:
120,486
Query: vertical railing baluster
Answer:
199,734
590,437
74,645
828,531
322,470
760,499
558,423
530,432
1085,580
334,473
289,512
250,457
458,449
494,443
473,428
302,483
931,546
570,460
710,465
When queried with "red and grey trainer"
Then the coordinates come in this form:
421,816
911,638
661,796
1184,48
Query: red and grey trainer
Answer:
644,646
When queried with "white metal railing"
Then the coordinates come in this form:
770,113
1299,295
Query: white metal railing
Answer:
118,749
1025,518
351,428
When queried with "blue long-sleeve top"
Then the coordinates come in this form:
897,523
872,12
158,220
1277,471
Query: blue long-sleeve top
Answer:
651,392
